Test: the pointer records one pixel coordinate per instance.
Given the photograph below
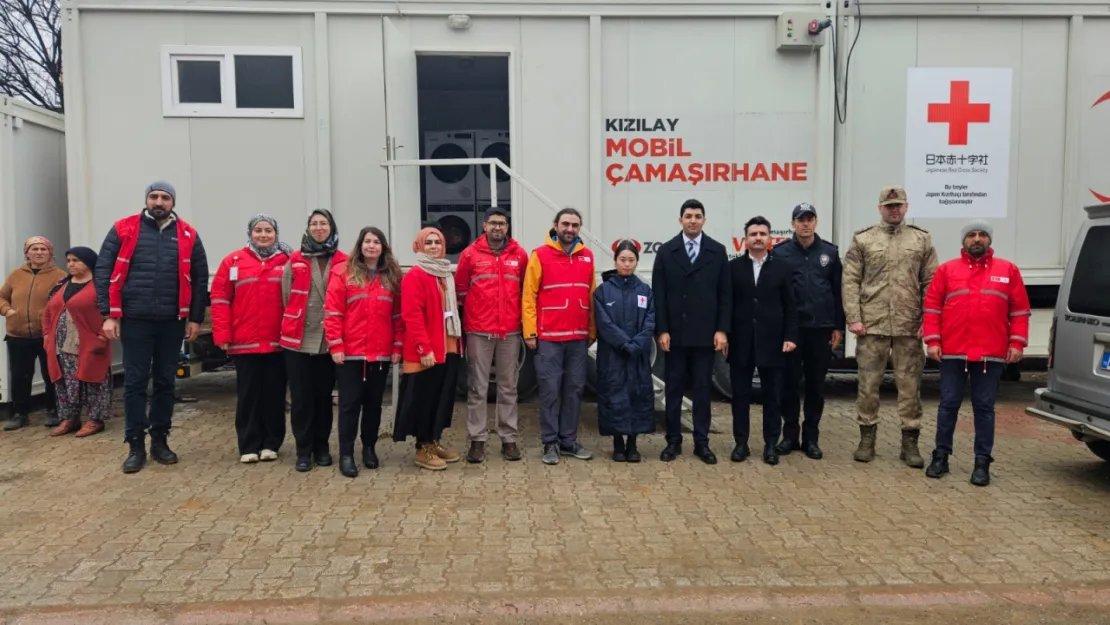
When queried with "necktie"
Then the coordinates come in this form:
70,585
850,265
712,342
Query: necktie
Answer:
690,249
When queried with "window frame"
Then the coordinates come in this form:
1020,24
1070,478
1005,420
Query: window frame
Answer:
228,107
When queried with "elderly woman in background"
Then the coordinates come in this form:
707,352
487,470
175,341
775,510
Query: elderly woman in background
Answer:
246,323
431,352
78,354
22,300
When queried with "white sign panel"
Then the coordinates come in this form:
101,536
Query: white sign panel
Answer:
958,141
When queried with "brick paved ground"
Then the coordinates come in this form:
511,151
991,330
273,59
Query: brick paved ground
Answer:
75,530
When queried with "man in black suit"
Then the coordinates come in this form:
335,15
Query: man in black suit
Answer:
764,330
692,306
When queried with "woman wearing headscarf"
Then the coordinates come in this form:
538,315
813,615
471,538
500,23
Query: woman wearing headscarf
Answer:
22,300
362,323
307,361
246,323
78,353
624,310
431,353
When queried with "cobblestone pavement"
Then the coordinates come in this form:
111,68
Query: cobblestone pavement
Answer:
74,530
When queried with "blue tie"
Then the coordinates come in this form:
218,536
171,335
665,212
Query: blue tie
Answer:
690,247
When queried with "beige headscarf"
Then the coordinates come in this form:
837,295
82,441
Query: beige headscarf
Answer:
440,268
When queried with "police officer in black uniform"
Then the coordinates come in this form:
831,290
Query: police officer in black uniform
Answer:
817,271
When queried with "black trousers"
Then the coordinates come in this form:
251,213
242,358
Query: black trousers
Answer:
361,386
151,349
698,363
311,381
770,378
260,410
22,354
809,361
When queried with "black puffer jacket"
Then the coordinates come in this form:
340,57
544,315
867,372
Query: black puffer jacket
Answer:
151,288
817,275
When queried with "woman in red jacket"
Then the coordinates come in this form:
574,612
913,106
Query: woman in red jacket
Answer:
79,357
432,348
362,325
246,323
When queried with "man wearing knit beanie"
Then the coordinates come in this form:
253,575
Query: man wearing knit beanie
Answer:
976,322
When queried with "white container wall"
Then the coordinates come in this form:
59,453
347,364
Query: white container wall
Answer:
32,193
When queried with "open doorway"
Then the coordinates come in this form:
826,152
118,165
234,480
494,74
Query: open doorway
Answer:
463,113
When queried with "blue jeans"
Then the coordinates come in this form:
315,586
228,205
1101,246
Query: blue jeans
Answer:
984,389
150,347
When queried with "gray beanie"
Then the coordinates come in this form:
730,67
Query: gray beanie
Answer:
977,225
162,185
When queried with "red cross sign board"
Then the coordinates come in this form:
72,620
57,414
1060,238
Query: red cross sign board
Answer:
958,141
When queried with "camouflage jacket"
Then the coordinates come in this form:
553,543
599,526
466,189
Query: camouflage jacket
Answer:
887,270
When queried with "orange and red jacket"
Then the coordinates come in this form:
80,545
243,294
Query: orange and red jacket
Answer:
362,323
246,302
489,284
422,310
558,295
293,320
976,309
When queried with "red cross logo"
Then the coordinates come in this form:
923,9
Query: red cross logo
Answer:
958,113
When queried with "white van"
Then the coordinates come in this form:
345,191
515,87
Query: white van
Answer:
1078,392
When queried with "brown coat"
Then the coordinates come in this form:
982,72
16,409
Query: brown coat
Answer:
27,293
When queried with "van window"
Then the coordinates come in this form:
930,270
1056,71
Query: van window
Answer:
1090,287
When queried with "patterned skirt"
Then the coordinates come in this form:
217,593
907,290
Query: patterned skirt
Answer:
73,393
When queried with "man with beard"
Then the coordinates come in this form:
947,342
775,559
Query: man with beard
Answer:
976,322
151,276
559,284
488,284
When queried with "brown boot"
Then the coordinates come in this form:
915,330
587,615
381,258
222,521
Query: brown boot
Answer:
866,450
426,458
477,452
910,454
90,428
444,454
66,427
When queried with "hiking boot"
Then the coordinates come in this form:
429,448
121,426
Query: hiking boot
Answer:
136,459
66,427
443,453
52,420
981,475
551,453
575,449
427,458
510,451
17,421
90,428
910,455
939,465
160,449
866,450
477,452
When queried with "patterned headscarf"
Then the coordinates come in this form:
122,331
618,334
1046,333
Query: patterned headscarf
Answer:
37,241
310,247
266,252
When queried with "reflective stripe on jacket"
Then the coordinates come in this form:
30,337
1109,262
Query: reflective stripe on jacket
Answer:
488,286
558,293
246,302
362,323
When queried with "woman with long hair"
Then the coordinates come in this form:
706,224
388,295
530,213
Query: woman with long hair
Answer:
246,323
362,324
308,364
433,347
78,353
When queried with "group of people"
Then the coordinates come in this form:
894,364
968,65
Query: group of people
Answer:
313,319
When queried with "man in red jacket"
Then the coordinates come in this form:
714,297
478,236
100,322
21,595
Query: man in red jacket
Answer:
488,282
976,322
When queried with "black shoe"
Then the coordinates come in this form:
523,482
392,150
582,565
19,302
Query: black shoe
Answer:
369,457
786,446
705,453
17,421
939,465
619,453
770,456
52,420
981,476
304,464
136,459
160,450
670,452
630,451
812,450
323,458
347,466
740,453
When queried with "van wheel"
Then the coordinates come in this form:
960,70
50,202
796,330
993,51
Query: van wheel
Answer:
526,382
722,380
1100,448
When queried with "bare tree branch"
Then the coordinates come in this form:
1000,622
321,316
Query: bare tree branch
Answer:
31,52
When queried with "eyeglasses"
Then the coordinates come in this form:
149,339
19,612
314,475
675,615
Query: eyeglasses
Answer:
497,224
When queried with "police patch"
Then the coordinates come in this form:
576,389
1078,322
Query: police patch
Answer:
824,260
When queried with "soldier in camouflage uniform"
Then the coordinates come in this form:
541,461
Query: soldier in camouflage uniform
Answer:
887,269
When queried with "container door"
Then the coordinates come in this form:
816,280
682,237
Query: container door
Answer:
402,135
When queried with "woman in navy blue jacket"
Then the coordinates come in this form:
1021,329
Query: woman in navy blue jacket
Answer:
625,313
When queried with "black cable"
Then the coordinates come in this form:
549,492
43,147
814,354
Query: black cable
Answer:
847,66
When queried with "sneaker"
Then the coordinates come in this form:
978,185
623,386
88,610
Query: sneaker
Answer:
576,450
248,458
426,458
16,421
551,453
267,455
52,419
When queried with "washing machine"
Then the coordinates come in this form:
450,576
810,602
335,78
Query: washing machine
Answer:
460,225
449,184
492,144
